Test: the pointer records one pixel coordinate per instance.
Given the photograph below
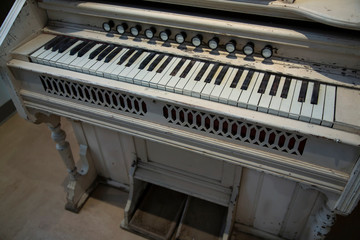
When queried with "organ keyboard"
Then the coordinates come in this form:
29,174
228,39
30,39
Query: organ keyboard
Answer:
215,106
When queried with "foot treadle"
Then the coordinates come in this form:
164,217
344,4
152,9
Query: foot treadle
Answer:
158,213
165,214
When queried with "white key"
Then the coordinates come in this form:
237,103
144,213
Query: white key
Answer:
66,59
295,107
231,95
307,107
170,86
329,108
191,83
93,69
318,109
108,71
183,81
265,99
119,68
286,102
155,81
124,74
205,93
101,71
53,61
143,72
276,100
226,82
135,70
145,81
166,79
34,56
255,96
195,92
46,59
86,67
245,94
79,62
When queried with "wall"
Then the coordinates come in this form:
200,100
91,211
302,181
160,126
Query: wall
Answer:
4,96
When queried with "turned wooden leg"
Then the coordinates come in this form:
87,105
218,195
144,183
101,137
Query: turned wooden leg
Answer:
81,182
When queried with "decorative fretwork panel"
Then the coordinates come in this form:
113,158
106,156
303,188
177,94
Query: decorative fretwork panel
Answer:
94,95
234,129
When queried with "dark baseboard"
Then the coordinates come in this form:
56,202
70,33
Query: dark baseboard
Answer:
6,110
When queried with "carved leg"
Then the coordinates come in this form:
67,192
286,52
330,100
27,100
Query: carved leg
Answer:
81,182
324,220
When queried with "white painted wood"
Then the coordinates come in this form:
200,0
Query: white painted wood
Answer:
345,119
189,162
273,202
250,188
300,9
350,197
298,212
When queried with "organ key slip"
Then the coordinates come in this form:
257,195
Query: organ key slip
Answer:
217,116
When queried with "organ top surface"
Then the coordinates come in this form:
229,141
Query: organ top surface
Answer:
344,14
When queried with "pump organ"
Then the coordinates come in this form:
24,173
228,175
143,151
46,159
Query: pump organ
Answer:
216,111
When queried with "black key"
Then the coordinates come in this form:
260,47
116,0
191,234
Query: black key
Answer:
202,71
163,66
264,83
87,48
221,75
236,78
60,44
155,62
105,52
212,73
275,85
178,66
126,56
147,60
187,69
248,78
113,54
66,46
315,93
303,90
53,42
77,48
286,87
134,57
97,51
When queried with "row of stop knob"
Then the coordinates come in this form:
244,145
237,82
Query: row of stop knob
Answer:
180,38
